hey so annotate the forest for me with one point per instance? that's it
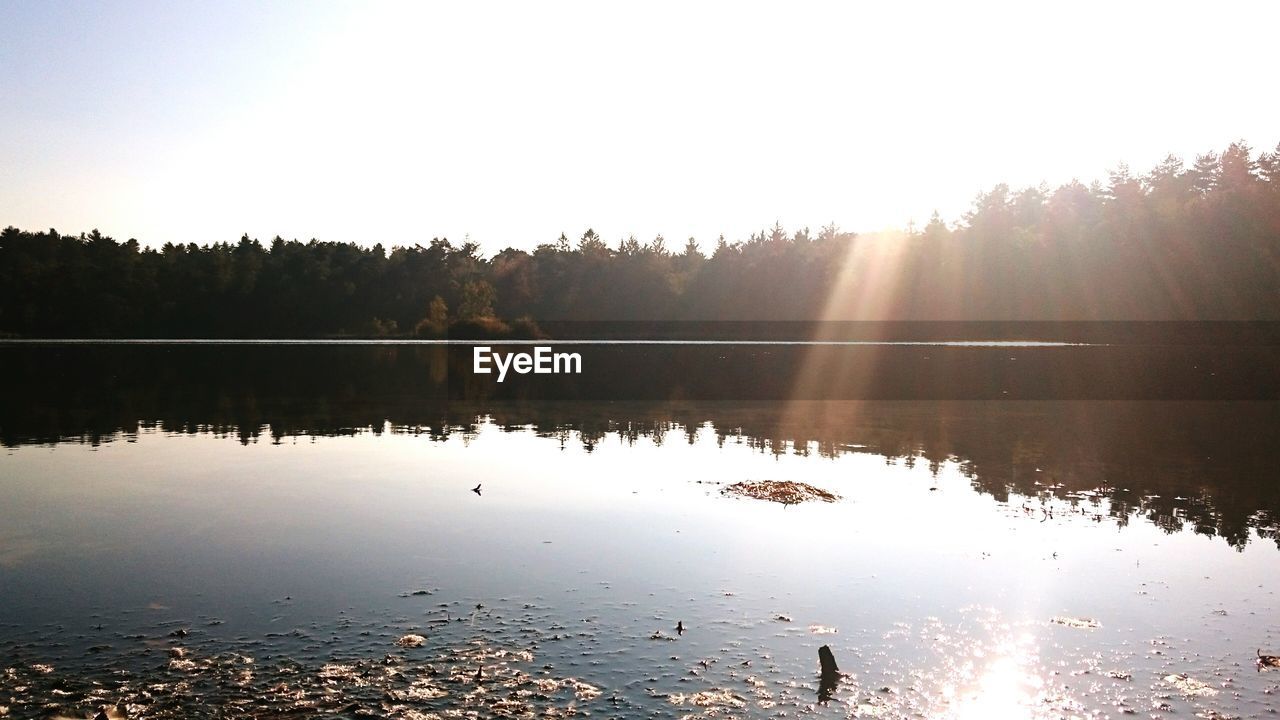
(1198, 241)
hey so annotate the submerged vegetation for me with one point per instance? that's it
(1178, 243)
(464, 679)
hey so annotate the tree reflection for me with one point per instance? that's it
(1204, 466)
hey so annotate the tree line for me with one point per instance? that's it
(1180, 242)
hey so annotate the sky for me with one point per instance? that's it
(509, 123)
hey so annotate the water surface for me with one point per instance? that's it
(191, 539)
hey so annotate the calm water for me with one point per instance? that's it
(238, 532)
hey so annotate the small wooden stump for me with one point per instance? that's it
(828, 661)
(829, 680)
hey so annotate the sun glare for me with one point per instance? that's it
(1007, 689)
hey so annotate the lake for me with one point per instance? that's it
(1025, 531)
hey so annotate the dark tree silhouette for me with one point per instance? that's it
(1178, 243)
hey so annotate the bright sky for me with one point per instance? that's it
(511, 122)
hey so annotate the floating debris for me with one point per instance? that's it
(1212, 714)
(342, 672)
(465, 673)
(546, 685)
(581, 690)
(1072, 622)
(822, 630)
(1189, 686)
(1266, 662)
(787, 492)
(418, 691)
(411, 641)
(871, 708)
(709, 699)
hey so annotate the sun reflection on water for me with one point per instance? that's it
(1001, 685)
